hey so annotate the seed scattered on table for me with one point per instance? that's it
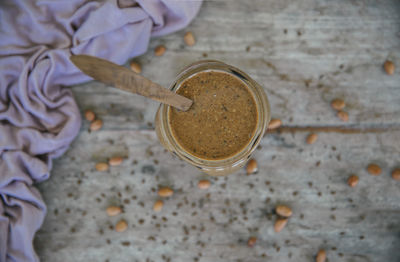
(337, 104)
(274, 123)
(396, 174)
(159, 50)
(283, 210)
(89, 115)
(251, 242)
(280, 223)
(115, 161)
(321, 256)
(165, 192)
(203, 184)
(352, 180)
(101, 166)
(158, 205)
(251, 167)
(374, 169)
(344, 116)
(96, 125)
(121, 226)
(113, 211)
(135, 67)
(312, 138)
(189, 39)
(389, 67)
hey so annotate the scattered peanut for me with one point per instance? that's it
(337, 104)
(396, 174)
(321, 256)
(101, 166)
(89, 115)
(115, 161)
(96, 125)
(135, 67)
(344, 116)
(374, 169)
(284, 211)
(121, 226)
(352, 180)
(251, 242)
(189, 39)
(158, 205)
(159, 50)
(312, 138)
(113, 211)
(274, 123)
(203, 184)
(389, 67)
(251, 167)
(280, 223)
(165, 192)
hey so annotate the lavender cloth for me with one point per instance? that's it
(38, 115)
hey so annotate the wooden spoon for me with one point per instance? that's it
(125, 79)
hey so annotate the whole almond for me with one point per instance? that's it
(113, 211)
(251, 242)
(165, 192)
(274, 123)
(96, 125)
(135, 67)
(189, 39)
(203, 184)
(280, 223)
(121, 226)
(115, 161)
(101, 166)
(396, 174)
(352, 180)
(337, 104)
(344, 116)
(321, 256)
(389, 67)
(158, 205)
(251, 167)
(283, 210)
(159, 50)
(374, 169)
(312, 138)
(89, 115)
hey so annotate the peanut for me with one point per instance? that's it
(396, 174)
(101, 167)
(389, 67)
(158, 205)
(189, 39)
(165, 192)
(96, 125)
(352, 180)
(344, 116)
(115, 161)
(89, 115)
(121, 226)
(311, 138)
(135, 67)
(280, 223)
(251, 167)
(321, 256)
(274, 123)
(374, 169)
(251, 242)
(203, 184)
(159, 50)
(284, 211)
(337, 104)
(113, 211)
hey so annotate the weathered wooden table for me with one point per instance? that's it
(305, 53)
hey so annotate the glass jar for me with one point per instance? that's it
(221, 166)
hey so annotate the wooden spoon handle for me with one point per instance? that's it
(123, 78)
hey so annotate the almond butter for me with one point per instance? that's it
(352, 180)
(115, 161)
(101, 167)
(396, 174)
(165, 192)
(280, 223)
(344, 116)
(251, 167)
(135, 67)
(159, 50)
(189, 39)
(311, 138)
(158, 205)
(321, 256)
(96, 125)
(89, 115)
(203, 184)
(389, 67)
(283, 210)
(274, 123)
(338, 104)
(374, 169)
(121, 226)
(251, 241)
(113, 211)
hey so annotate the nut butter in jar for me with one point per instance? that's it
(228, 118)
